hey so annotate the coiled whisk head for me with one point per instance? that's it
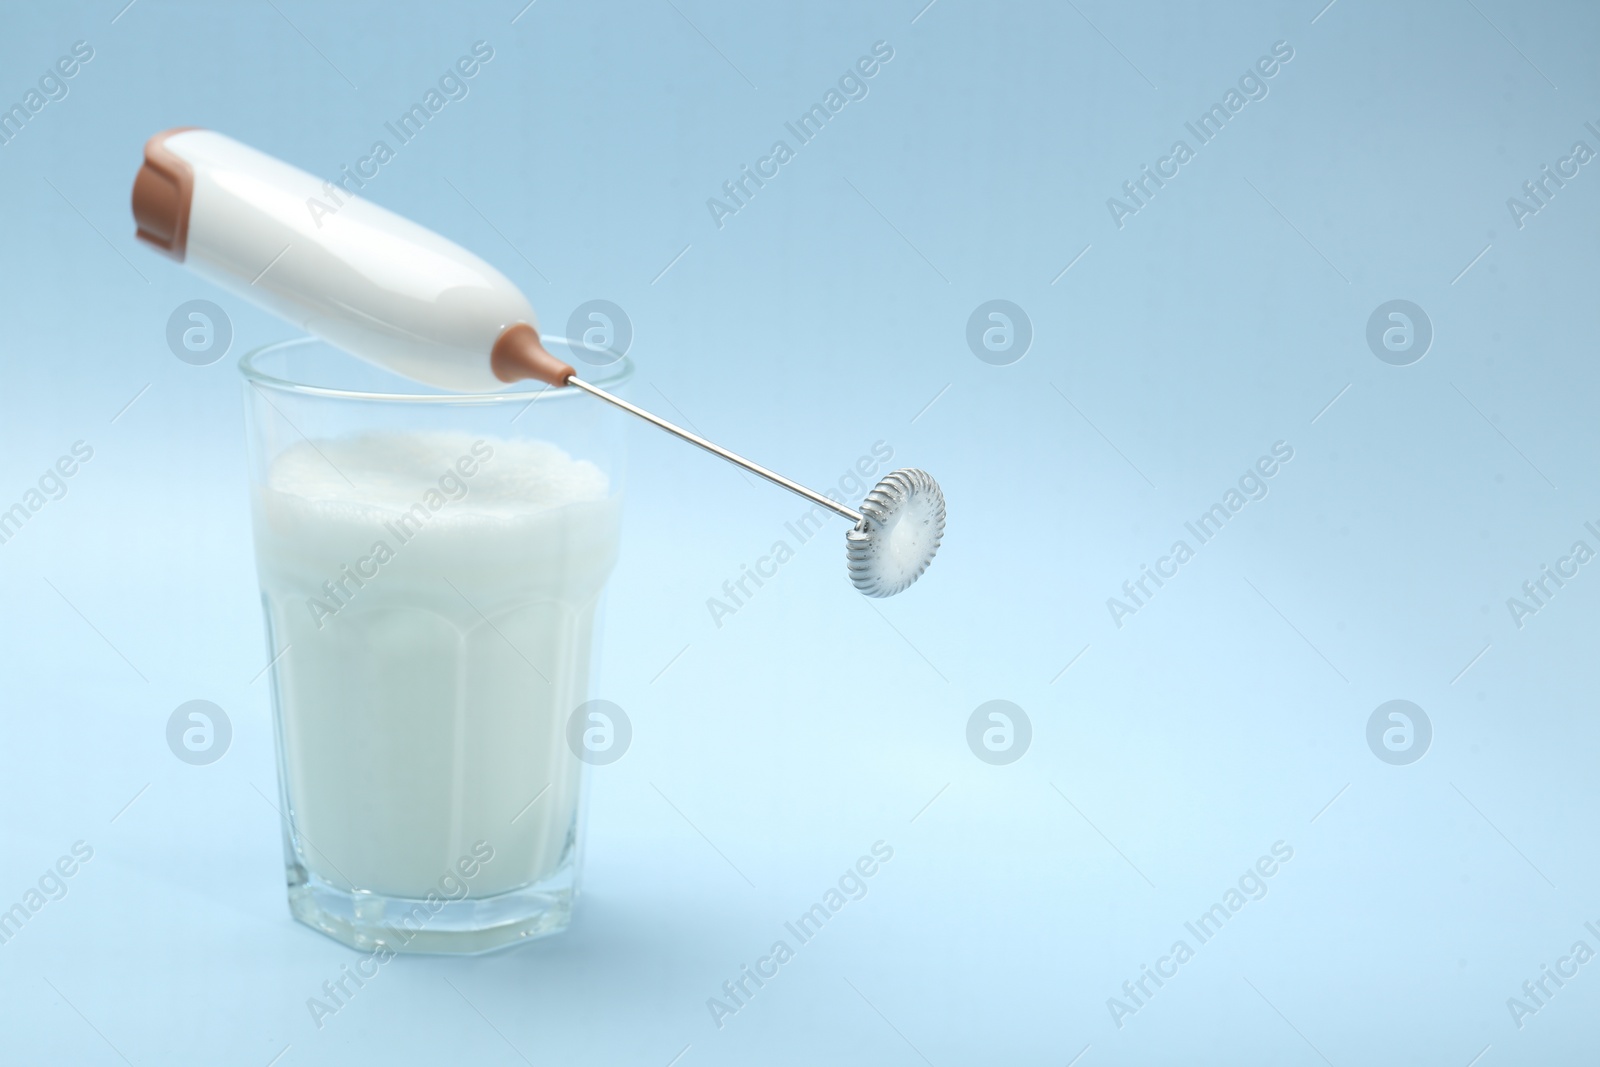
(902, 520)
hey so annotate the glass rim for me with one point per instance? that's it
(614, 374)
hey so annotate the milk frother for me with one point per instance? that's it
(398, 295)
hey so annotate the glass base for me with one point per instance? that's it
(466, 927)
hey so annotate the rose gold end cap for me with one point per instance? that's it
(162, 191)
(517, 354)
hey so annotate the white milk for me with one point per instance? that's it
(415, 720)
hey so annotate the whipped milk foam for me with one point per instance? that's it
(436, 594)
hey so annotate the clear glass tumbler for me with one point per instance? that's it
(431, 567)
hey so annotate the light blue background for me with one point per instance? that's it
(1223, 717)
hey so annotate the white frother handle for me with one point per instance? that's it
(376, 285)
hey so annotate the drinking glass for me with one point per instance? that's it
(431, 568)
